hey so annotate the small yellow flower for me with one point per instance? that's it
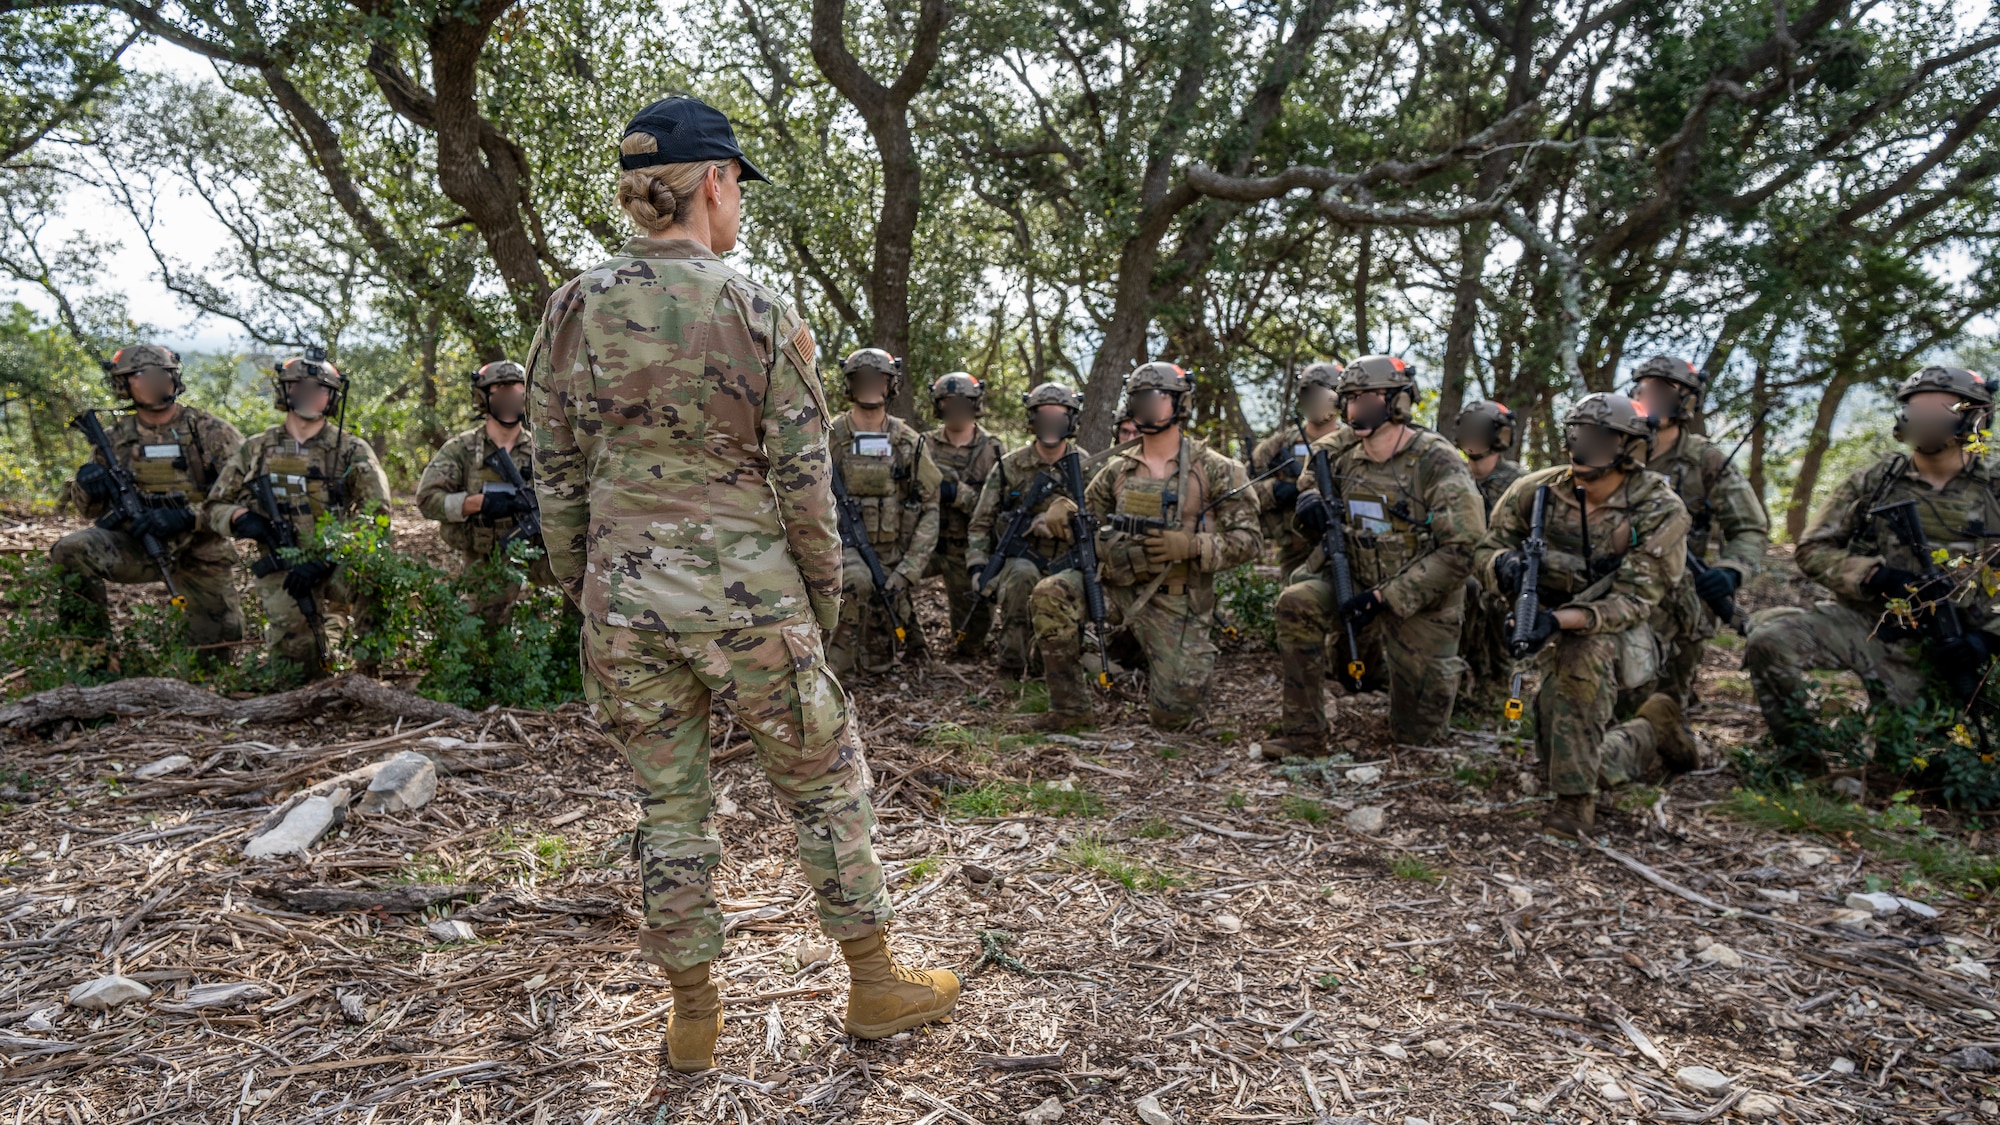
(1922, 763)
(1959, 735)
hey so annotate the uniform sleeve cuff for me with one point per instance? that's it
(454, 507)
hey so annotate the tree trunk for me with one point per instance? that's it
(1363, 259)
(1800, 503)
(1760, 392)
(1472, 243)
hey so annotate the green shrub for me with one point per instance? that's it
(1247, 602)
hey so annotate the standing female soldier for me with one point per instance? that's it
(680, 443)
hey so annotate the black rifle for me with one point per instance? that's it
(1725, 609)
(527, 525)
(127, 505)
(1013, 543)
(1939, 618)
(855, 536)
(1333, 545)
(283, 537)
(1528, 601)
(1083, 529)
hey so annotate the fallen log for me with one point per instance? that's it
(152, 695)
(406, 899)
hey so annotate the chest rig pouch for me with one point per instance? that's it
(1384, 536)
(868, 465)
(1142, 501)
(164, 472)
(299, 485)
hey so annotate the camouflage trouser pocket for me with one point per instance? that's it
(855, 866)
(820, 707)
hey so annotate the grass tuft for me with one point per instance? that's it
(1090, 853)
(1003, 797)
(1413, 869)
(1302, 808)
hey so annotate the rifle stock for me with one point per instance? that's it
(126, 503)
(1333, 545)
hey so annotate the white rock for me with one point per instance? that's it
(162, 768)
(1809, 856)
(1703, 1080)
(1760, 1105)
(1368, 820)
(1254, 751)
(1881, 904)
(1612, 1092)
(1772, 894)
(1850, 787)
(1520, 896)
(307, 822)
(1393, 1051)
(1971, 970)
(407, 781)
(1437, 1048)
(811, 952)
(1047, 1113)
(1528, 784)
(1850, 917)
(223, 995)
(1228, 924)
(1720, 954)
(353, 1008)
(1415, 1121)
(1364, 775)
(106, 993)
(1149, 1111)
(451, 929)
(1921, 909)
(42, 1019)
(1841, 1066)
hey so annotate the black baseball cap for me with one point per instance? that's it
(687, 130)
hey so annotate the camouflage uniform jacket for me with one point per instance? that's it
(680, 446)
(968, 465)
(1505, 472)
(1001, 497)
(172, 464)
(1412, 521)
(897, 492)
(1278, 522)
(459, 469)
(1638, 538)
(1226, 537)
(1842, 543)
(333, 471)
(1719, 497)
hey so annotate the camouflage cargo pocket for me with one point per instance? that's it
(855, 865)
(819, 704)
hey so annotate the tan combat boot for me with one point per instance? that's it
(886, 998)
(1071, 704)
(1573, 817)
(1297, 744)
(695, 1022)
(1662, 712)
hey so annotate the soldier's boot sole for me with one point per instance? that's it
(1675, 740)
(1573, 817)
(1300, 744)
(1059, 721)
(696, 1021)
(885, 997)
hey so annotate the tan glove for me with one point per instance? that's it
(1053, 523)
(1171, 546)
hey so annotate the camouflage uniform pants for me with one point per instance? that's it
(1692, 626)
(1417, 656)
(1482, 641)
(1012, 588)
(290, 637)
(214, 616)
(1786, 642)
(1582, 746)
(1172, 629)
(864, 642)
(948, 562)
(655, 692)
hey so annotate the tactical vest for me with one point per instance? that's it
(1955, 521)
(881, 477)
(1388, 525)
(172, 470)
(1142, 497)
(303, 489)
(475, 536)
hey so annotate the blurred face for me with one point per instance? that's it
(868, 389)
(1661, 398)
(1050, 423)
(507, 403)
(956, 410)
(1152, 410)
(1317, 405)
(1367, 411)
(151, 386)
(725, 206)
(307, 398)
(1931, 420)
(1475, 437)
(1593, 449)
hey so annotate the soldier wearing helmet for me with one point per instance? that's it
(1412, 517)
(315, 469)
(1052, 410)
(1484, 432)
(890, 474)
(1283, 456)
(1161, 545)
(1722, 509)
(173, 453)
(1884, 620)
(475, 507)
(1592, 640)
(965, 454)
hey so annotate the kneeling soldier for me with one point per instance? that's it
(1411, 517)
(171, 453)
(1484, 433)
(1616, 538)
(1052, 410)
(965, 454)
